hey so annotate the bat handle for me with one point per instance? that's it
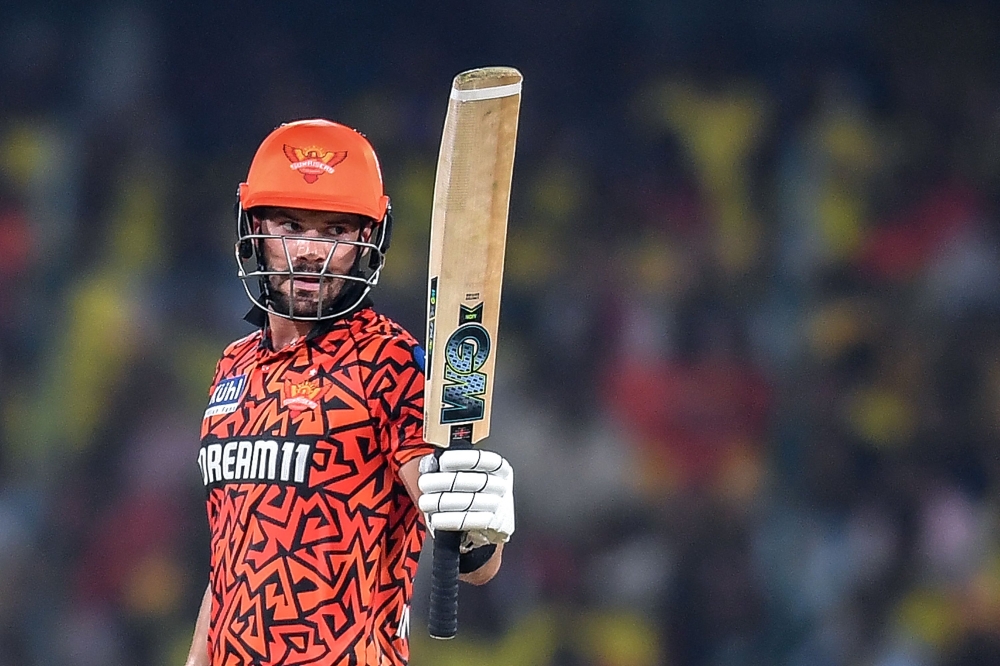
(442, 616)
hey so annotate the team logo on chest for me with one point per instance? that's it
(300, 396)
(226, 396)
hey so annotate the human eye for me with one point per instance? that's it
(338, 230)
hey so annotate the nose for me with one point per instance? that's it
(315, 249)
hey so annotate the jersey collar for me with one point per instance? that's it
(258, 317)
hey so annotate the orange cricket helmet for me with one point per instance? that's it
(318, 165)
(314, 165)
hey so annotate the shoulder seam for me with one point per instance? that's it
(234, 352)
(235, 344)
(387, 328)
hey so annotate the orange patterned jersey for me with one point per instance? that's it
(314, 538)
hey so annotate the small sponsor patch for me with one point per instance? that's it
(226, 396)
(461, 433)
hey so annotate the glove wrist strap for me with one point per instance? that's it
(475, 558)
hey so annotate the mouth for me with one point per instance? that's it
(307, 283)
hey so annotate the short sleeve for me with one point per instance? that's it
(224, 364)
(397, 394)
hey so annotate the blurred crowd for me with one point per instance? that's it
(749, 372)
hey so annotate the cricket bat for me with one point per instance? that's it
(465, 272)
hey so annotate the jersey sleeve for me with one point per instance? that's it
(220, 367)
(398, 400)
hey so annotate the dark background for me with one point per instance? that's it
(749, 371)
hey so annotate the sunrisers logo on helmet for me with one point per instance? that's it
(339, 173)
(313, 162)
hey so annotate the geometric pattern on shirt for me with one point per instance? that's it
(319, 572)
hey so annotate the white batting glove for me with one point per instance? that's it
(468, 490)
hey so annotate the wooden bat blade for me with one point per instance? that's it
(468, 239)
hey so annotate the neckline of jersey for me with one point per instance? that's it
(315, 336)
(258, 317)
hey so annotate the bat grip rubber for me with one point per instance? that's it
(442, 617)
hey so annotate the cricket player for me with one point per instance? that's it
(312, 454)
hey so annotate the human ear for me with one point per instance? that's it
(366, 231)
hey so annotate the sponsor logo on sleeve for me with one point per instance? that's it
(226, 396)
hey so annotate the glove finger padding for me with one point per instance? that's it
(435, 502)
(468, 490)
(473, 460)
(457, 521)
(462, 482)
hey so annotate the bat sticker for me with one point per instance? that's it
(465, 354)
(429, 361)
(470, 314)
(432, 309)
(460, 433)
(431, 312)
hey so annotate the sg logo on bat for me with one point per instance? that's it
(465, 353)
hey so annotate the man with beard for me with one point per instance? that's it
(312, 441)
